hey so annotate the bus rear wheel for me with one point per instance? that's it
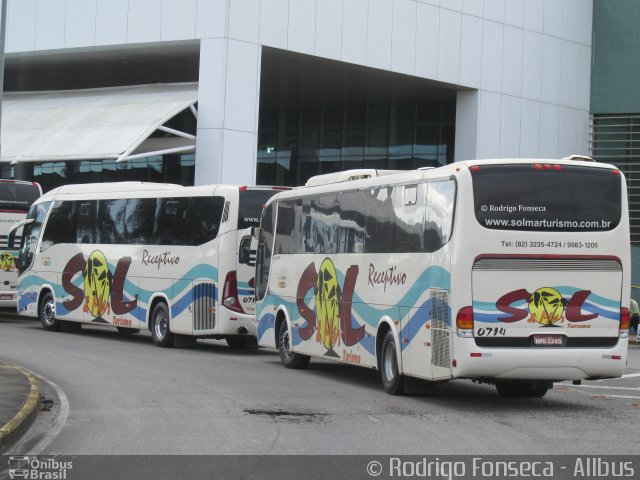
(392, 381)
(288, 358)
(522, 389)
(160, 332)
(47, 313)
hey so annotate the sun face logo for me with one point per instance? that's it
(7, 262)
(546, 306)
(97, 284)
(327, 305)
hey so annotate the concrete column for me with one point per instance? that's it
(466, 125)
(228, 107)
(23, 171)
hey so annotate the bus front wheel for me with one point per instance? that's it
(160, 332)
(47, 313)
(288, 358)
(392, 381)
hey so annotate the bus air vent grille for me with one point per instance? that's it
(204, 309)
(564, 264)
(440, 328)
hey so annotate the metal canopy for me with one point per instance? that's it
(99, 123)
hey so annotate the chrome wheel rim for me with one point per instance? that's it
(389, 362)
(160, 325)
(285, 349)
(48, 312)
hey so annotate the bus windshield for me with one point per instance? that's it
(536, 197)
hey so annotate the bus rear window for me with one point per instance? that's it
(547, 198)
(250, 207)
(17, 196)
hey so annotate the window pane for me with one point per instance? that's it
(86, 215)
(203, 219)
(409, 206)
(170, 225)
(380, 219)
(140, 220)
(61, 225)
(111, 215)
(439, 217)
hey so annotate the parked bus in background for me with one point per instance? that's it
(15, 199)
(139, 255)
(510, 272)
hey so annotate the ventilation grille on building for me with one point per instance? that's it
(615, 139)
(440, 329)
(204, 309)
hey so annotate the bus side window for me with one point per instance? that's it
(111, 214)
(140, 219)
(308, 225)
(86, 215)
(203, 219)
(61, 225)
(439, 214)
(285, 238)
(327, 224)
(380, 220)
(170, 221)
(409, 205)
(352, 228)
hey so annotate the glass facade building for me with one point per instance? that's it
(296, 143)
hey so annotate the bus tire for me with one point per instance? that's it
(288, 358)
(392, 380)
(47, 313)
(160, 330)
(522, 389)
(127, 330)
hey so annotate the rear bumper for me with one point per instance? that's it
(541, 363)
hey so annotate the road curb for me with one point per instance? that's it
(13, 429)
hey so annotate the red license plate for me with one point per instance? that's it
(6, 297)
(541, 340)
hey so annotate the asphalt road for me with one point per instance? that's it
(126, 396)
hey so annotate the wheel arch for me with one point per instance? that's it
(282, 315)
(386, 324)
(44, 289)
(155, 299)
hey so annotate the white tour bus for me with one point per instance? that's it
(139, 255)
(509, 272)
(16, 197)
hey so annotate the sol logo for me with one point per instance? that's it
(545, 306)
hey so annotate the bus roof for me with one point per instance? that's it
(352, 180)
(108, 189)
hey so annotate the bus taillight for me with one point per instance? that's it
(230, 293)
(625, 321)
(464, 322)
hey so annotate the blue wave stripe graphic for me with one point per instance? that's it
(420, 318)
(246, 291)
(187, 299)
(432, 277)
(267, 322)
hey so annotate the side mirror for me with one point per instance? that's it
(11, 238)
